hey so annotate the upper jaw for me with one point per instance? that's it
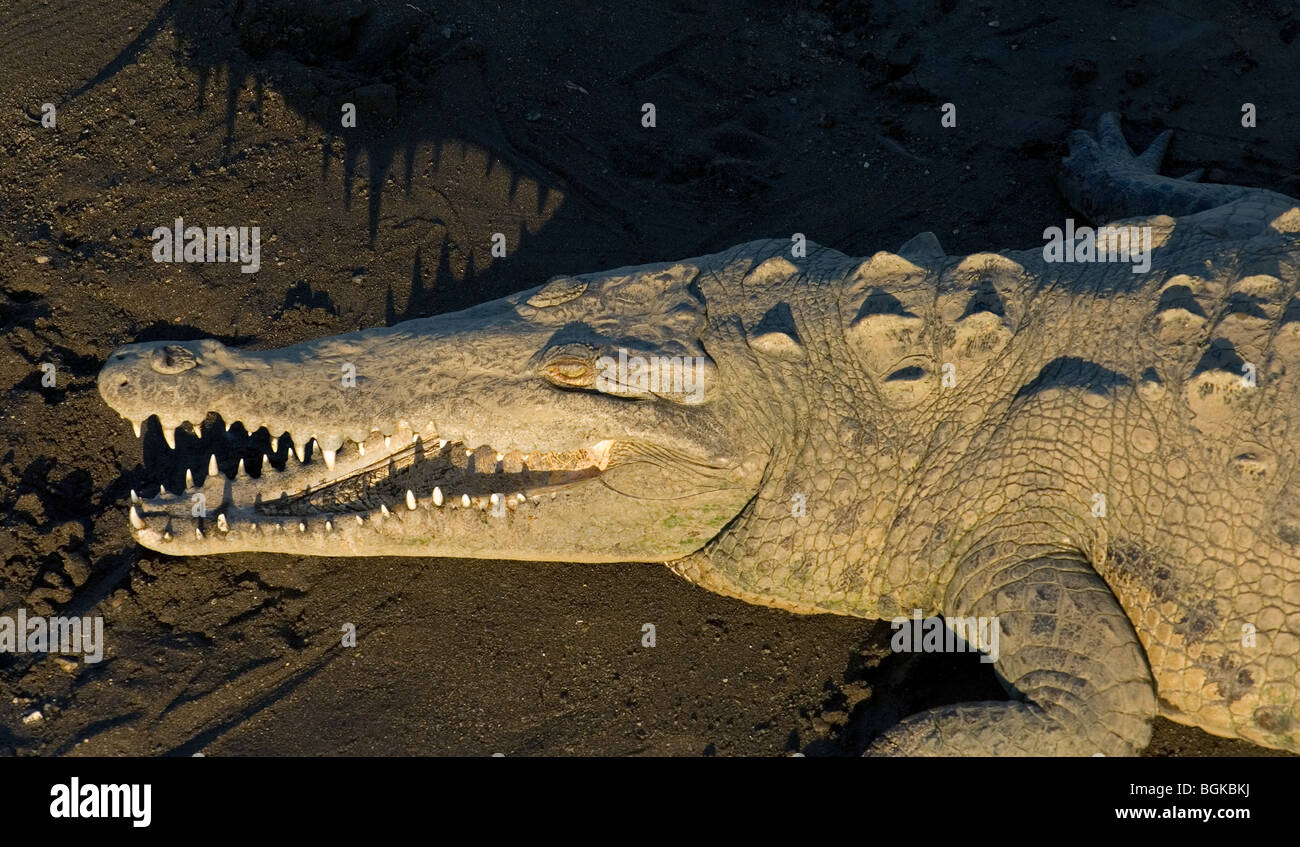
(297, 475)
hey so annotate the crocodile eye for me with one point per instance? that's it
(570, 371)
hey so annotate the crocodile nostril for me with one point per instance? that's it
(172, 359)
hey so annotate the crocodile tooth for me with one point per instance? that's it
(240, 470)
(198, 533)
(410, 499)
(275, 444)
(361, 521)
(266, 463)
(222, 524)
(437, 496)
(388, 441)
(300, 450)
(383, 509)
(135, 498)
(162, 490)
(415, 438)
(189, 478)
(361, 448)
(137, 522)
(329, 525)
(500, 456)
(302, 526)
(167, 536)
(521, 496)
(329, 458)
(135, 425)
(169, 435)
(464, 500)
(212, 464)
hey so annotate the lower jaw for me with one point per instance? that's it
(487, 528)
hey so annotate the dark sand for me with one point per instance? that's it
(522, 118)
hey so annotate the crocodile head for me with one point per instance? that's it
(590, 419)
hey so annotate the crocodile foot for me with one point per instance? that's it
(1105, 180)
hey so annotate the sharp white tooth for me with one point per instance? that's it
(189, 478)
(300, 450)
(266, 463)
(198, 533)
(241, 470)
(415, 438)
(329, 525)
(135, 425)
(361, 521)
(162, 490)
(135, 498)
(469, 453)
(410, 499)
(361, 448)
(329, 458)
(383, 509)
(442, 442)
(212, 465)
(302, 527)
(388, 441)
(221, 523)
(437, 496)
(522, 496)
(167, 536)
(169, 435)
(275, 444)
(464, 500)
(137, 522)
(500, 456)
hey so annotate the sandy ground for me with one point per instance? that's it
(521, 118)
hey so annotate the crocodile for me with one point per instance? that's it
(1101, 462)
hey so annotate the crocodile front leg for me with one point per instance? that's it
(1066, 651)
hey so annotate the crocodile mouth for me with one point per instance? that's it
(256, 480)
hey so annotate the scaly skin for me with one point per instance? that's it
(1104, 461)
